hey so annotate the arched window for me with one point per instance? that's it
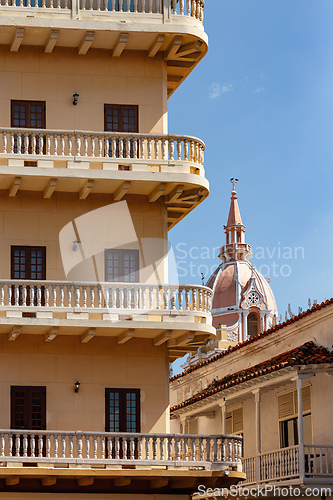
(252, 325)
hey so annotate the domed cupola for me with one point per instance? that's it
(243, 303)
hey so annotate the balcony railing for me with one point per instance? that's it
(101, 145)
(63, 447)
(103, 297)
(289, 463)
(189, 8)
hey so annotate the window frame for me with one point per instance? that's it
(28, 104)
(121, 252)
(121, 108)
(293, 417)
(28, 248)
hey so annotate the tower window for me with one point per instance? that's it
(252, 325)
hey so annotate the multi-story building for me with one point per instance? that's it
(91, 182)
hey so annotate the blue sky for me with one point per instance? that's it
(262, 101)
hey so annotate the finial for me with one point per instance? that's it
(233, 180)
(203, 278)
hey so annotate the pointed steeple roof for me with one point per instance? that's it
(234, 213)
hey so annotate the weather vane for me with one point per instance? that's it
(233, 180)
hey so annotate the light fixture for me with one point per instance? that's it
(77, 386)
(75, 245)
(76, 98)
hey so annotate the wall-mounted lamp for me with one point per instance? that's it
(75, 245)
(77, 386)
(76, 98)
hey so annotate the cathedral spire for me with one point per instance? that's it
(234, 213)
(235, 247)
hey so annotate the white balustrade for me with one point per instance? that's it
(318, 461)
(36, 143)
(189, 8)
(93, 447)
(35, 295)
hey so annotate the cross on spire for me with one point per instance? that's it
(233, 180)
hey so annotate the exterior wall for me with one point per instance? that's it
(322, 406)
(100, 364)
(29, 219)
(133, 78)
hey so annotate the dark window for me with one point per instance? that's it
(252, 325)
(28, 114)
(120, 118)
(289, 431)
(122, 265)
(28, 263)
(122, 410)
(28, 408)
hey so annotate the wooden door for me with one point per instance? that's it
(28, 412)
(28, 263)
(121, 118)
(28, 114)
(122, 413)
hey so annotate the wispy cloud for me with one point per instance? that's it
(260, 89)
(216, 89)
(263, 76)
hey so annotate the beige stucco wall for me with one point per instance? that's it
(100, 364)
(133, 78)
(29, 219)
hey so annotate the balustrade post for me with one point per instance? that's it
(154, 447)
(79, 446)
(25, 445)
(39, 295)
(139, 445)
(71, 446)
(48, 446)
(87, 442)
(40, 445)
(4, 136)
(177, 447)
(2, 445)
(24, 295)
(132, 448)
(63, 446)
(55, 446)
(147, 447)
(102, 442)
(85, 145)
(95, 447)
(10, 445)
(17, 445)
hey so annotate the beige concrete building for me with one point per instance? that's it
(91, 183)
(275, 389)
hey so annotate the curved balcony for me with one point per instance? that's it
(119, 164)
(171, 29)
(177, 315)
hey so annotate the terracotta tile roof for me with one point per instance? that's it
(306, 354)
(313, 309)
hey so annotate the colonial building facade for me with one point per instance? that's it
(91, 182)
